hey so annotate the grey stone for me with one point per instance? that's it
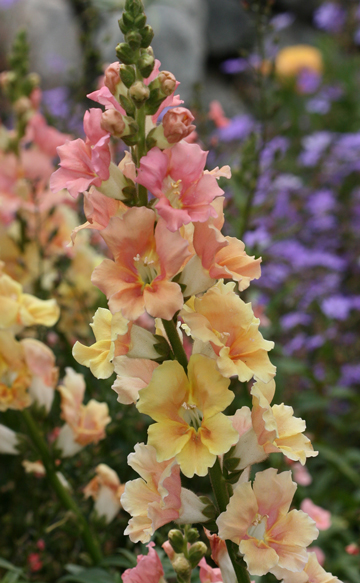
(230, 27)
(53, 36)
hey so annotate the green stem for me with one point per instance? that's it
(222, 499)
(89, 538)
(176, 345)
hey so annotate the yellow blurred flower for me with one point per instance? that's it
(293, 59)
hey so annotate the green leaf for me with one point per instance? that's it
(90, 576)
(9, 566)
(338, 460)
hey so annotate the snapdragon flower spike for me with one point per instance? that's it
(176, 177)
(83, 164)
(146, 258)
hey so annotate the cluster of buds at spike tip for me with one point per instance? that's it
(138, 36)
(188, 551)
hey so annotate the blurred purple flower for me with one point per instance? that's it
(321, 202)
(234, 66)
(314, 342)
(287, 182)
(57, 101)
(350, 375)
(318, 105)
(259, 237)
(282, 21)
(308, 81)
(4, 4)
(275, 148)
(293, 319)
(295, 343)
(314, 147)
(330, 17)
(239, 128)
(336, 307)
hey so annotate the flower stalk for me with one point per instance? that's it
(67, 501)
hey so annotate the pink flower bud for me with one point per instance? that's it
(352, 549)
(177, 124)
(112, 77)
(167, 82)
(112, 122)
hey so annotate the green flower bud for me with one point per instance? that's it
(139, 93)
(192, 535)
(182, 568)
(176, 539)
(134, 39)
(125, 54)
(127, 75)
(140, 21)
(135, 7)
(196, 552)
(128, 105)
(128, 20)
(146, 65)
(124, 29)
(147, 34)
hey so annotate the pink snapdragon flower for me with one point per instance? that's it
(145, 261)
(176, 177)
(148, 569)
(321, 516)
(208, 574)
(83, 164)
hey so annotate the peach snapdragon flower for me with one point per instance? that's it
(105, 488)
(21, 309)
(187, 409)
(27, 373)
(176, 177)
(145, 261)
(312, 573)
(267, 429)
(115, 336)
(222, 319)
(224, 257)
(258, 520)
(157, 497)
(84, 423)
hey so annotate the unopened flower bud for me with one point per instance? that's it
(139, 92)
(127, 75)
(176, 539)
(113, 122)
(181, 567)
(134, 39)
(196, 552)
(146, 65)
(167, 82)
(112, 77)
(34, 79)
(147, 34)
(177, 124)
(140, 21)
(135, 7)
(125, 54)
(192, 535)
(6, 78)
(22, 105)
